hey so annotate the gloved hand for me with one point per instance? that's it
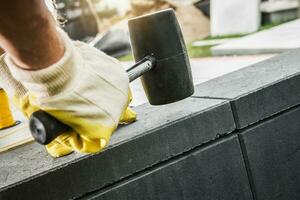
(86, 89)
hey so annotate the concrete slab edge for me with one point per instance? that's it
(256, 104)
(161, 166)
(276, 124)
(140, 175)
(164, 145)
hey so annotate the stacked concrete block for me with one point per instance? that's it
(234, 16)
(265, 100)
(213, 172)
(236, 138)
(258, 91)
(159, 134)
(272, 149)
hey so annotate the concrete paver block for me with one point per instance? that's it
(159, 134)
(273, 152)
(258, 91)
(214, 172)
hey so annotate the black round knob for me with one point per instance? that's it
(45, 128)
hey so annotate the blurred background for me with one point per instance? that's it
(221, 35)
(205, 23)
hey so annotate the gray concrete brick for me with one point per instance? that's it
(273, 152)
(258, 91)
(211, 173)
(159, 134)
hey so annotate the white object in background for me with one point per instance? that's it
(230, 17)
(122, 6)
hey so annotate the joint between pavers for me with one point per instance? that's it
(232, 107)
(213, 98)
(247, 166)
(235, 115)
(244, 149)
(154, 167)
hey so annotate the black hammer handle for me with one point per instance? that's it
(45, 128)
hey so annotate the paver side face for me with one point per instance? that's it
(273, 150)
(215, 172)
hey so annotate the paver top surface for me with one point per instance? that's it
(252, 78)
(32, 160)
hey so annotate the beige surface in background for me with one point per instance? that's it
(17, 135)
(193, 23)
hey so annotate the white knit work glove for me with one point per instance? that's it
(85, 89)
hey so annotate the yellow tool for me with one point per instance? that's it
(6, 118)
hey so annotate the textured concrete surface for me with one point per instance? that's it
(210, 173)
(159, 134)
(275, 40)
(273, 152)
(258, 91)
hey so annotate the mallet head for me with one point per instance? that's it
(159, 34)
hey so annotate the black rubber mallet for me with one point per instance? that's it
(162, 63)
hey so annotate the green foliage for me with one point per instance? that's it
(196, 52)
(270, 25)
(126, 58)
(223, 37)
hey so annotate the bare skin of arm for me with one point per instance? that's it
(1, 51)
(28, 34)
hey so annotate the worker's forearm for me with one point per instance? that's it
(28, 34)
(1, 51)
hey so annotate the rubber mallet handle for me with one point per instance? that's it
(45, 128)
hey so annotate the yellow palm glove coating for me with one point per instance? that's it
(93, 138)
(86, 90)
(66, 142)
